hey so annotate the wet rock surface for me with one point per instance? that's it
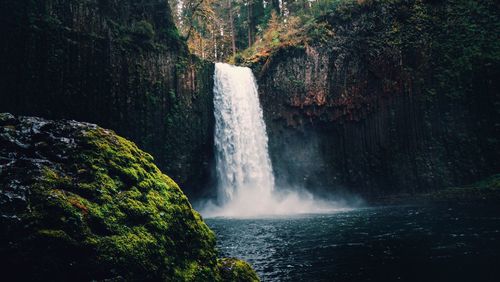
(386, 101)
(80, 203)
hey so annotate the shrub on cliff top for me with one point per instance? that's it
(143, 31)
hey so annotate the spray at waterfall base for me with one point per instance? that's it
(246, 185)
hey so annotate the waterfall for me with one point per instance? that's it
(242, 160)
(245, 177)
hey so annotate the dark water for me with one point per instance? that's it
(427, 243)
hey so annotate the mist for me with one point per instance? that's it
(246, 204)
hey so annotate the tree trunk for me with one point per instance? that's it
(275, 4)
(202, 48)
(251, 23)
(231, 24)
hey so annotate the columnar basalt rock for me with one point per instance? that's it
(389, 102)
(120, 64)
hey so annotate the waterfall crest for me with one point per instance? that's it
(245, 179)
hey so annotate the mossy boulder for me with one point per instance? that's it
(232, 269)
(78, 202)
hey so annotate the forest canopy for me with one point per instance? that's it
(217, 30)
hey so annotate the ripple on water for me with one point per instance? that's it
(389, 243)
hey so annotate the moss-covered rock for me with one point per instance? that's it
(78, 202)
(232, 269)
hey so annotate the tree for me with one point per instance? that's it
(275, 5)
(255, 12)
(231, 24)
(218, 29)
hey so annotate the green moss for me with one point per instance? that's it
(110, 204)
(98, 208)
(54, 234)
(486, 190)
(492, 182)
(236, 270)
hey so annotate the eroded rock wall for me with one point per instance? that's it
(382, 105)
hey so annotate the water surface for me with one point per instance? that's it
(424, 243)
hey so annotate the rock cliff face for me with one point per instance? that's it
(117, 63)
(79, 203)
(387, 96)
(391, 97)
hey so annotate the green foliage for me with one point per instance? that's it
(143, 31)
(139, 36)
(299, 27)
(234, 270)
(442, 43)
(323, 7)
(492, 182)
(484, 190)
(173, 34)
(277, 35)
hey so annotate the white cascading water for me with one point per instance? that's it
(244, 171)
(242, 159)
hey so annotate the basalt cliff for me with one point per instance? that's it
(386, 97)
(381, 97)
(120, 64)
